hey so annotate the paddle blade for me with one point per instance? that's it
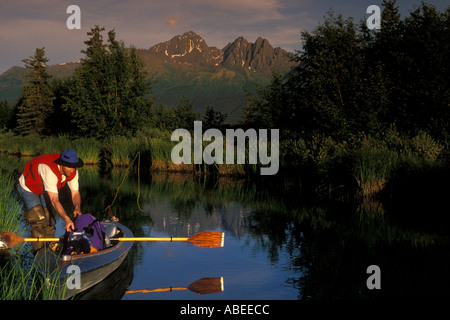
(201, 286)
(9, 240)
(207, 285)
(208, 239)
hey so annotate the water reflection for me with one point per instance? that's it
(112, 287)
(282, 246)
(200, 286)
(279, 243)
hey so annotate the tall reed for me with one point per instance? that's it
(121, 151)
(57, 144)
(10, 206)
(21, 280)
(19, 277)
(88, 149)
(373, 168)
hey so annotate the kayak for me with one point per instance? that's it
(67, 275)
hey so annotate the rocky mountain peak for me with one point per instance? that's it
(190, 48)
(258, 57)
(187, 48)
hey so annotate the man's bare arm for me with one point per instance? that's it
(59, 208)
(76, 200)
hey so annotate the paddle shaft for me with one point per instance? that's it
(156, 290)
(40, 239)
(150, 239)
(120, 239)
(202, 239)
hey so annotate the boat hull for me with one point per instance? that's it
(69, 275)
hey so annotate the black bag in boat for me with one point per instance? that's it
(89, 235)
(76, 243)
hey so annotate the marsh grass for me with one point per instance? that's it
(379, 161)
(154, 146)
(29, 146)
(373, 168)
(33, 145)
(19, 277)
(121, 150)
(89, 150)
(161, 149)
(10, 143)
(56, 144)
(10, 205)
(369, 162)
(231, 170)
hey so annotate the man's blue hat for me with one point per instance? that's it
(69, 158)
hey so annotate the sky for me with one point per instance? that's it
(29, 24)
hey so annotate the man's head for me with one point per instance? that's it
(67, 171)
(69, 162)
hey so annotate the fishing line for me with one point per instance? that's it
(138, 156)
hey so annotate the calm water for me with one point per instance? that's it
(180, 206)
(279, 244)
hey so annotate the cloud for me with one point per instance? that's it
(29, 24)
(172, 21)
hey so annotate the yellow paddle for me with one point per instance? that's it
(201, 286)
(202, 239)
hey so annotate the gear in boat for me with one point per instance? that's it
(90, 236)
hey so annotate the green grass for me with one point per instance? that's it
(22, 281)
(89, 150)
(373, 168)
(121, 149)
(10, 206)
(18, 275)
(365, 161)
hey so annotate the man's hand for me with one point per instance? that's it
(69, 225)
(76, 213)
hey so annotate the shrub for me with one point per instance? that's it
(425, 147)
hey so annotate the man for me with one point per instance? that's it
(38, 186)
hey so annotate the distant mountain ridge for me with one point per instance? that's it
(259, 57)
(186, 65)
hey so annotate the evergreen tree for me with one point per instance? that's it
(110, 87)
(61, 120)
(184, 114)
(6, 114)
(267, 107)
(213, 119)
(37, 97)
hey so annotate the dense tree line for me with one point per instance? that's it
(109, 94)
(351, 79)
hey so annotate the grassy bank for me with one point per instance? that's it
(10, 207)
(19, 277)
(153, 145)
(363, 165)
